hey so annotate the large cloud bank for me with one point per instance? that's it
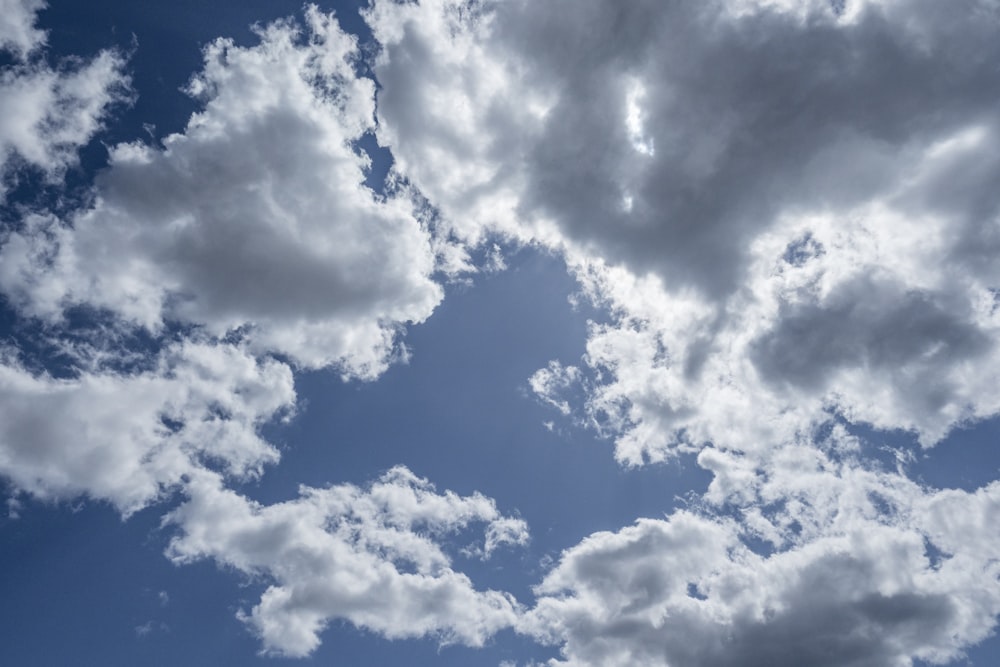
(787, 209)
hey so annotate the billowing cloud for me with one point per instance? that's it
(849, 567)
(256, 218)
(250, 234)
(849, 327)
(132, 438)
(367, 555)
(737, 167)
(188, 427)
(787, 210)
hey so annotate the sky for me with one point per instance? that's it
(479, 332)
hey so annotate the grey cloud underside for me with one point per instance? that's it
(819, 628)
(747, 116)
(856, 586)
(755, 116)
(869, 323)
(854, 634)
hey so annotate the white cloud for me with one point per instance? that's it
(789, 211)
(254, 225)
(865, 573)
(186, 427)
(508, 531)
(46, 113)
(18, 33)
(838, 329)
(550, 382)
(368, 555)
(131, 439)
(254, 218)
(715, 137)
(442, 88)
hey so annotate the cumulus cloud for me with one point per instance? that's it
(47, 113)
(738, 166)
(842, 333)
(250, 234)
(189, 426)
(788, 211)
(132, 439)
(368, 555)
(854, 567)
(255, 218)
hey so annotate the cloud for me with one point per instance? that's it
(840, 334)
(509, 531)
(47, 113)
(787, 211)
(185, 425)
(256, 218)
(18, 33)
(249, 235)
(550, 382)
(860, 574)
(132, 439)
(368, 555)
(730, 134)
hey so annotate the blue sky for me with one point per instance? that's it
(498, 333)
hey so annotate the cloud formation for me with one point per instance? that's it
(367, 555)
(47, 113)
(18, 34)
(256, 218)
(249, 235)
(738, 165)
(815, 559)
(132, 439)
(787, 210)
